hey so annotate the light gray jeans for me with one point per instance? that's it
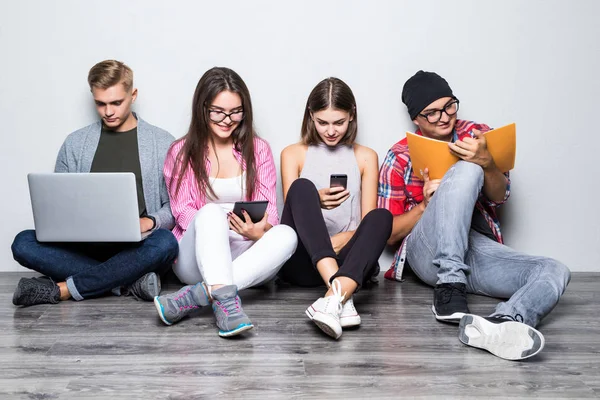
(442, 248)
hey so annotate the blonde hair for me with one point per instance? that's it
(108, 73)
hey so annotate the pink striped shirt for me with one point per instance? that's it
(189, 200)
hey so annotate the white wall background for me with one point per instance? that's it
(535, 63)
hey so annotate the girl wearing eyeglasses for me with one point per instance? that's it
(341, 232)
(218, 162)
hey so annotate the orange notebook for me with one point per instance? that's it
(435, 155)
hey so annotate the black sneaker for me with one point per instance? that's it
(145, 288)
(32, 291)
(503, 336)
(450, 302)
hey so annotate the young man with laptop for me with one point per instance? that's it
(85, 263)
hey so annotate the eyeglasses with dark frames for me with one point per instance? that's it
(434, 116)
(218, 116)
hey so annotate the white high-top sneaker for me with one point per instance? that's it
(348, 318)
(328, 317)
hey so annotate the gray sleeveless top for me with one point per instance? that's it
(321, 161)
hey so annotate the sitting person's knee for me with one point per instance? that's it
(166, 243)
(469, 169)
(382, 217)
(211, 208)
(22, 243)
(558, 273)
(286, 236)
(562, 272)
(301, 185)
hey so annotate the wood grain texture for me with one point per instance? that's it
(114, 347)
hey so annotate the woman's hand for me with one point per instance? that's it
(332, 197)
(246, 227)
(338, 241)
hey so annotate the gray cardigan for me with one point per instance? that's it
(77, 153)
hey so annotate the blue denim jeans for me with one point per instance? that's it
(443, 248)
(92, 269)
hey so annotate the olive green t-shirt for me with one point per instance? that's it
(118, 152)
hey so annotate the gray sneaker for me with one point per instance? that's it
(145, 288)
(32, 291)
(174, 306)
(227, 306)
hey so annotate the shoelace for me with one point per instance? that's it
(336, 288)
(42, 290)
(446, 293)
(230, 305)
(184, 300)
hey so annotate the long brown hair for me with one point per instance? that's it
(334, 93)
(195, 149)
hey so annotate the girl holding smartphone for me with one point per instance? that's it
(218, 162)
(340, 229)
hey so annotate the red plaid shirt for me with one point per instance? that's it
(400, 189)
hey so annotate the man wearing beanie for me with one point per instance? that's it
(450, 234)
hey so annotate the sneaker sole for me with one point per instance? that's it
(349, 322)
(509, 340)
(327, 324)
(452, 318)
(161, 311)
(241, 328)
(345, 322)
(155, 284)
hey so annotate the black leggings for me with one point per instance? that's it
(357, 259)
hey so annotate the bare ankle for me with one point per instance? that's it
(212, 288)
(64, 291)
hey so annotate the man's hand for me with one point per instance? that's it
(332, 197)
(246, 227)
(146, 224)
(473, 150)
(339, 240)
(429, 187)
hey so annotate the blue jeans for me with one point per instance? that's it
(92, 269)
(443, 248)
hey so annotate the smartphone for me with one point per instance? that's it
(336, 180)
(255, 209)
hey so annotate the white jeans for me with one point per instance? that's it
(209, 251)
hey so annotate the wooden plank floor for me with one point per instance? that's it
(117, 348)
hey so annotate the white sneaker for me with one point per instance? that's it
(328, 317)
(348, 318)
(504, 338)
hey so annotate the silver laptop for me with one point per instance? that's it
(80, 207)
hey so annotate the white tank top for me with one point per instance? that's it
(228, 191)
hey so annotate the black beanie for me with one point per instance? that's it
(422, 89)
